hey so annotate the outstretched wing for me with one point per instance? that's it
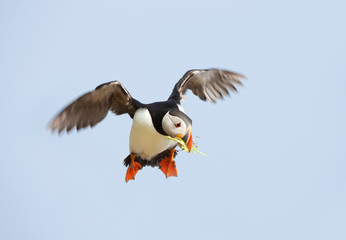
(211, 84)
(92, 107)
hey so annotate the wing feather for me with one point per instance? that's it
(93, 107)
(207, 84)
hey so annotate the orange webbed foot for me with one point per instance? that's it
(168, 166)
(132, 169)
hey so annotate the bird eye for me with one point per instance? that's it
(178, 124)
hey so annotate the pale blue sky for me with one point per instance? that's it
(276, 151)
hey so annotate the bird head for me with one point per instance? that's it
(178, 125)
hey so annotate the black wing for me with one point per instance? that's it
(211, 84)
(92, 107)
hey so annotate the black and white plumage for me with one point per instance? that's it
(152, 123)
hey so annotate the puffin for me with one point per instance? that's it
(154, 125)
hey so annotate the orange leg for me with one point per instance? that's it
(167, 165)
(132, 169)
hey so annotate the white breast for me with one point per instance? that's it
(144, 139)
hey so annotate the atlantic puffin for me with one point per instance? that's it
(152, 123)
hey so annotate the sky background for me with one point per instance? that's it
(276, 164)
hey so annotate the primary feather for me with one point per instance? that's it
(211, 84)
(93, 107)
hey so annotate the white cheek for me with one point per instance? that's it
(182, 128)
(170, 128)
(168, 125)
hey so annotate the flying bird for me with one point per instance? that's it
(152, 124)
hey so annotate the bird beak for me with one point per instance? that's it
(188, 140)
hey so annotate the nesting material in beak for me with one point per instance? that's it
(186, 143)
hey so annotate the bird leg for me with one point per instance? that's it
(167, 165)
(132, 169)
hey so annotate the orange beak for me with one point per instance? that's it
(188, 140)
